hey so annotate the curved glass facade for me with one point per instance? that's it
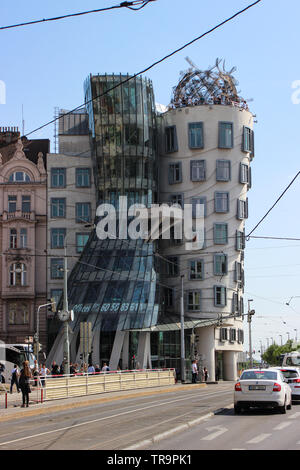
(113, 284)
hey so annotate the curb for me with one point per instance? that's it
(89, 402)
(164, 435)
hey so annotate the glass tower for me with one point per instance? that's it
(114, 283)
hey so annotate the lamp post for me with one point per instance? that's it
(280, 340)
(37, 334)
(182, 361)
(295, 329)
(250, 313)
(288, 333)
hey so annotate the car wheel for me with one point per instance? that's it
(282, 409)
(237, 410)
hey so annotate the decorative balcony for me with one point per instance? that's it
(18, 214)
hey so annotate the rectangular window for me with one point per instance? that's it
(248, 140)
(238, 272)
(83, 212)
(201, 203)
(198, 170)
(194, 301)
(175, 173)
(58, 207)
(244, 173)
(23, 237)
(169, 297)
(232, 335)
(223, 170)
(220, 264)
(242, 209)
(25, 203)
(220, 296)
(235, 303)
(221, 201)
(223, 334)
(171, 266)
(176, 199)
(83, 177)
(240, 336)
(57, 237)
(196, 135)
(196, 270)
(240, 240)
(225, 135)
(58, 177)
(171, 139)
(57, 268)
(12, 203)
(13, 238)
(220, 234)
(81, 239)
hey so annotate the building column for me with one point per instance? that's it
(206, 349)
(230, 365)
(116, 350)
(143, 360)
(125, 351)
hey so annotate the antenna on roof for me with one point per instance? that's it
(23, 123)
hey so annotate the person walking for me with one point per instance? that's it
(105, 367)
(24, 383)
(194, 371)
(44, 371)
(14, 378)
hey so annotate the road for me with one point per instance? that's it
(203, 418)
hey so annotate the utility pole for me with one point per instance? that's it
(250, 313)
(182, 362)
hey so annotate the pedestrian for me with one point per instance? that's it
(15, 378)
(97, 369)
(206, 374)
(24, 383)
(105, 367)
(36, 374)
(91, 369)
(194, 371)
(55, 368)
(44, 371)
(72, 369)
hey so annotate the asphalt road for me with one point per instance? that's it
(116, 425)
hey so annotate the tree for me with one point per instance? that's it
(272, 354)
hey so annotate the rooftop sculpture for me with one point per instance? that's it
(212, 86)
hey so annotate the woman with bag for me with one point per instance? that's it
(24, 383)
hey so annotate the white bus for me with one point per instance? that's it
(11, 354)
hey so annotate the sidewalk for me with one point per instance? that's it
(14, 410)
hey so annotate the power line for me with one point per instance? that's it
(128, 5)
(147, 68)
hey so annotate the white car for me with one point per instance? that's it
(262, 388)
(292, 375)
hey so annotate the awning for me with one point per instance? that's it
(188, 325)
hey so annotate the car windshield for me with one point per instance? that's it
(259, 374)
(289, 374)
(293, 361)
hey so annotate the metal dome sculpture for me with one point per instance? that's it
(212, 86)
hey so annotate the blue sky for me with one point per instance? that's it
(44, 66)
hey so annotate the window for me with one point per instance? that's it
(19, 176)
(57, 268)
(12, 203)
(169, 297)
(235, 303)
(176, 199)
(13, 238)
(200, 201)
(242, 209)
(175, 173)
(198, 170)
(56, 294)
(194, 301)
(240, 240)
(223, 170)
(232, 335)
(196, 135)
(245, 174)
(248, 140)
(171, 139)
(225, 135)
(58, 177)
(132, 134)
(220, 295)
(57, 237)
(23, 237)
(81, 239)
(83, 177)
(220, 234)
(221, 201)
(196, 270)
(18, 313)
(239, 273)
(26, 203)
(223, 334)
(171, 266)
(58, 207)
(17, 274)
(83, 212)
(240, 336)
(220, 264)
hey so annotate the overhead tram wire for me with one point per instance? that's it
(128, 5)
(149, 67)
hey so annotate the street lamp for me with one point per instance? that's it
(288, 335)
(250, 313)
(280, 340)
(295, 329)
(182, 361)
(294, 297)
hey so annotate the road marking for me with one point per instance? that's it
(109, 417)
(219, 430)
(281, 426)
(294, 416)
(259, 438)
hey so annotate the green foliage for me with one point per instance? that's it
(272, 355)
